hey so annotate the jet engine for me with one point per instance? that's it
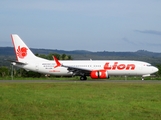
(102, 74)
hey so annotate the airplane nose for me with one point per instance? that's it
(155, 69)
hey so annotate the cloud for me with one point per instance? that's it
(153, 44)
(54, 5)
(149, 32)
(128, 41)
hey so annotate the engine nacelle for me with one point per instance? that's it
(102, 74)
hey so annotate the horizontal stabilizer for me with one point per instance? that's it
(13, 62)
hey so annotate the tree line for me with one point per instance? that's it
(19, 72)
(59, 56)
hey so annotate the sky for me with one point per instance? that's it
(92, 25)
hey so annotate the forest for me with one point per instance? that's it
(7, 53)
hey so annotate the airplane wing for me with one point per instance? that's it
(75, 70)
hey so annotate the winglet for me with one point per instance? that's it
(58, 64)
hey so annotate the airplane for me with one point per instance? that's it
(96, 69)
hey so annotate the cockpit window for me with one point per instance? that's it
(149, 65)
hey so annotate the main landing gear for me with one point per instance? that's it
(83, 77)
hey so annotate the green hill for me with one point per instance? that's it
(151, 57)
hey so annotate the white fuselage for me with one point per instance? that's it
(93, 68)
(113, 67)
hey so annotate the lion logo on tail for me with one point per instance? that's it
(21, 52)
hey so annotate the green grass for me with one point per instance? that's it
(80, 101)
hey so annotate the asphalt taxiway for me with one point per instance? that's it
(78, 81)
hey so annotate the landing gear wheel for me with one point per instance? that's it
(83, 78)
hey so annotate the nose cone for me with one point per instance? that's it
(155, 69)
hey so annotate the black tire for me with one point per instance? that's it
(83, 78)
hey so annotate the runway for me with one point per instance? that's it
(77, 81)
